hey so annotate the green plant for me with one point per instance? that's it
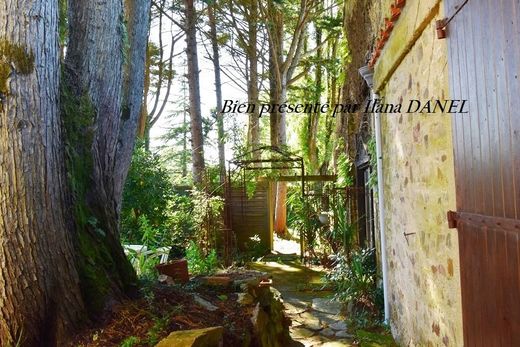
(371, 149)
(354, 282)
(305, 218)
(344, 169)
(207, 218)
(148, 192)
(144, 263)
(160, 324)
(129, 342)
(199, 264)
(342, 230)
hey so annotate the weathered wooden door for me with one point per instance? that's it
(484, 63)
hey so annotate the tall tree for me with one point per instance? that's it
(283, 64)
(215, 58)
(40, 297)
(197, 140)
(56, 258)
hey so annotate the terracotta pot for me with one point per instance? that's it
(177, 269)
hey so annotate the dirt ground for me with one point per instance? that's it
(163, 309)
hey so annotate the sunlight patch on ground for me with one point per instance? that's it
(283, 246)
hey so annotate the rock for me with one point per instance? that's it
(292, 309)
(301, 332)
(343, 335)
(328, 332)
(338, 343)
(341, 325)
(309, 320)
(217, 281)
(204, 303)
(325, 318)
(326, 305)
(245, 299)
(259, 319)
(209, 337)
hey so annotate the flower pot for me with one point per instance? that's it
(177, 270)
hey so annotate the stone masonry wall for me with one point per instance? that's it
(423, 268)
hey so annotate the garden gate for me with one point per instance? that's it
(484, 63)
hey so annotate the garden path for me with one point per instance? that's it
(316, 320)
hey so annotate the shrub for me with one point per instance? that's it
(354, 281)
(148, 192)
(199, 264)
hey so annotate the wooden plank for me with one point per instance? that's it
(308, 178)
(484, 64)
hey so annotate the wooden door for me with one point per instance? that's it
(484, 64)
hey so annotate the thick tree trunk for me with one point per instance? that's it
(138, 22)
(218, 93)
(278, 95)
(197, 141)
(40, 297)
(99, 135)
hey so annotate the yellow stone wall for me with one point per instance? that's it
(423, 268)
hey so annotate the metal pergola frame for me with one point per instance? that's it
(280, 160)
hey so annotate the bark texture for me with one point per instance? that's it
(40, 297)
(100, 136)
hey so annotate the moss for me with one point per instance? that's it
(13, 55)
(375, 339)
(99, 270)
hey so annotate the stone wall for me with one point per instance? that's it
(423, 268)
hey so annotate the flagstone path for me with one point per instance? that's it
(316, 320)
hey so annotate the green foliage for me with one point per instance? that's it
(207, 218)
(144, 264)
(160, 324)
(130, 342)
(371, 148)
(148, 193)
(344, 170)
(199, 264)
(304, 216)
(374, 339)
(342, 231)
(63, 26)
(354, 282)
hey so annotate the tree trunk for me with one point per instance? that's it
(138, 22)
(218, 93)
(143, 116)
(197, 141)
(40, 297)
(252, 88)
(99, 137)
(314, 118)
